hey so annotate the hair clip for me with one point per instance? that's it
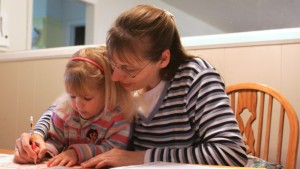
(168, 13)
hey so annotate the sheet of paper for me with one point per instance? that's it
(6, 162)
(164, 165)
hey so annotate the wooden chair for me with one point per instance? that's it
(259, 101)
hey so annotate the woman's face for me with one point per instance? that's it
(135, 75)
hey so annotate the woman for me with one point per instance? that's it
(183, 112)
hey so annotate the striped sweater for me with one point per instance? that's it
(90, 138)
(191, 123)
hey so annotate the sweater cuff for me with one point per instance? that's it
(51, 149)
(81, 157)
(39, 133)
(147, 156)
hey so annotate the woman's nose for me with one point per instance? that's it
(117, 75)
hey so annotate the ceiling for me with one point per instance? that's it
(242, 15)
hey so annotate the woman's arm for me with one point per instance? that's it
(24, 152)
(214, 136)
(43, 125)
(115, 157)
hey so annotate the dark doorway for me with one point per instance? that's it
(79, 35)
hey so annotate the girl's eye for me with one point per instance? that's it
(73, 97)
(87, 99)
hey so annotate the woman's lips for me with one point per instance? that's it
(125, 85)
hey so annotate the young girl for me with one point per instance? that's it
(87, 120)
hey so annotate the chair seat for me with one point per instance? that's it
(255, 162)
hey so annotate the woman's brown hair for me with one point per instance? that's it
(147, 31)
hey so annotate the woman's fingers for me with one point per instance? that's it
(115, 157)
(42, 152)
(24, 152)
(92, 162)
(19, 159)
(26, 147)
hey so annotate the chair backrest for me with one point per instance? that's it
(259, 102)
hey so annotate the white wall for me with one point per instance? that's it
(99, 18)
(106, 11)
(18, 23)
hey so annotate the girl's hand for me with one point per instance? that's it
(24, 152)
(67, 158)
(114, 158)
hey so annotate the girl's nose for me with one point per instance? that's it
(79, 103)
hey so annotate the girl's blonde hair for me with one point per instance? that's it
(81, 74)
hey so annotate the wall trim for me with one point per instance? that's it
(254, 38)
(266, 37)
(39, 54)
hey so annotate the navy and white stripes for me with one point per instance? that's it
(43, 125)
(191, 123)
(194, 122)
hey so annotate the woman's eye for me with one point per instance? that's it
(72, 97)
(128, 69)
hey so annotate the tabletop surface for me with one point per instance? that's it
(6, 151)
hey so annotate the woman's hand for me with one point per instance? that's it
(114, 158)
(67, 158)
(24, 152)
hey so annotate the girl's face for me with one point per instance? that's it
(89, 105)
(136, 75)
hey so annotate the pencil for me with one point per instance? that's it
(32, 139)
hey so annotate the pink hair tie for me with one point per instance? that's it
(90, 61)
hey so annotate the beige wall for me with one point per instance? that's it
(275, 65)
(28, 87)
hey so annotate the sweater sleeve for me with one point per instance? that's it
(55, 142)
(117, 135)
(43, 125)
(217, 139)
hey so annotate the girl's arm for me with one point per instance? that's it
(55, 141)
(117, 136)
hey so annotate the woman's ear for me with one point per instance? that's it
(165, 58)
